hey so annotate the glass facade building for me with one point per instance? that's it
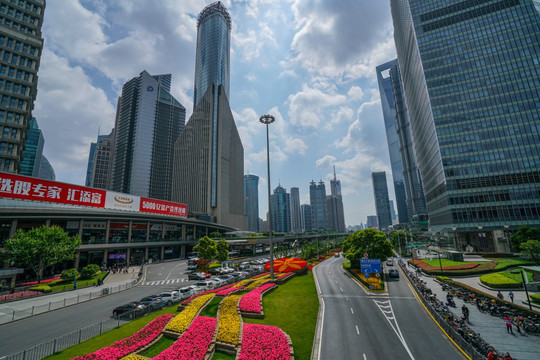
(281, 210)
(251, 198)
(306, 217)
(296, 215)
(91, 159)
(21, 44)
(148, 122)
(334, 204)
(382, 202)
(33, 150)
(471, 75)
(319, 209)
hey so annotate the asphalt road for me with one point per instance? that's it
(358, 324)
(25, 333)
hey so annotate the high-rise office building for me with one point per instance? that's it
(251, 198)
(20, 48)
(281, 210)
(372, 221)
(91, 159)
(33, 150)
(296, 214)
(334, 203)
(102, 164)
(382, 201)
(209, 156)
(319, 209)
(393, 214)
(148, 122)
(305, 210)
(392, 137)
(471, 79)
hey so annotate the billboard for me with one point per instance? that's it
(29, 188)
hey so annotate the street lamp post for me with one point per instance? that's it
(440, 263)
(268, 119)
(524, 285)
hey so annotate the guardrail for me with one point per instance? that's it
(66, 301)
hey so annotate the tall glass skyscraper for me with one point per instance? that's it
(33, 150)
(471, 76)
(148, 122)
(91, 159)
(319, 209)
(209, 156)
(382, 201)
(20, 50)
(251, 198)
(281, 210)
(334, 204)
(306, 217)
(296, 215)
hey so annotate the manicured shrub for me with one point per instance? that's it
(41, 288)
(69, 274)
(535, 298)
(499, 281)
(89, 271)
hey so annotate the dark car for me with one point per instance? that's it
(393, 273)
(196, 276)
(152, 302)
(130, 310)
(389, 262)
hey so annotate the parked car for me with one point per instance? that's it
(228, 278)
(217, 282)
(195, 289)
(192, 267)
(389, 262)
(205, 285)
(185, 292)
(215, 271)
(196, 276)
(169, 297)
(227, 270)
(153, 302)
(130, 310)
(393, 273)
(244, 265)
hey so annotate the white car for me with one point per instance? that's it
(185, 292)
(169, 297)
(205, 285)
(195, 289)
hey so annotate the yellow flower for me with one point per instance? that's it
(257, 283)
(229, 320)
(181, 321)
(134, 357)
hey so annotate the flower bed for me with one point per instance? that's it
(243, 282)
(19, 295)
(194, 343)
(251, 302)
(181, 321)
(257, 283)
(262, 342)
(229, 320)
(130, 344)
(190, 299)
(228, 291)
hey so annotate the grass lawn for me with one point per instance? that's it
(445, 262)
(211, 309)
(504, 263)
(293, 307)
(517, 277)
(108, 338)
(158, 347)
(222, 356)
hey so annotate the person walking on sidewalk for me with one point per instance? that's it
(508, 323)
(465, 311)
(511, 296)
(500, 296)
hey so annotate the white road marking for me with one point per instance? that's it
(340, 289)
(352, 312)
(386, 308)
(365, 357)
(357, 331)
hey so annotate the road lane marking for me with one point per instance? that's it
(357, 331)
(340, 289)
(365, 357)
(386, 308)
(352, 312)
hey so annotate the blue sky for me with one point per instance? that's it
(310, 63)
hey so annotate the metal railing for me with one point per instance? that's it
(66, 301)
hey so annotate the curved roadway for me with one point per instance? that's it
(357, 324)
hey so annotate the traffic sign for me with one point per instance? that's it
(366, 275)
(370, 265)
(378, 275)
(365, 255)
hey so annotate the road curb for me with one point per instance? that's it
(318, 328)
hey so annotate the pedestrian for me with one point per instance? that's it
(500, 296)
(479, 304)
(517, 322)
(75, 285)
(508, 323)
(465, 311)
(511, 296)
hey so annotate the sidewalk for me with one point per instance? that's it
(113, 283)
(492, 328)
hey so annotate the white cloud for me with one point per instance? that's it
(325, 162)
(355, 93)
(307, 106)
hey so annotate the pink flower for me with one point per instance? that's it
(251, 302)
(262, 342)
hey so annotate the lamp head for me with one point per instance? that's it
(267, 119)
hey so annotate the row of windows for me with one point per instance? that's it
(14, 88)
(18, 45)
(451, 157)
(16, 59)
(10, 117)
(486, 170)
(27, 5)
(452, 9)
(15, 25)
(11, 102)
(511, 195)
(501, 213)
(18, 14)
(6, 148)
(518, 178)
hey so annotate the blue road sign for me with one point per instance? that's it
(370, 265)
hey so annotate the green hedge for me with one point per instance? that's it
(535, 298)
(43, 288)
(499, 281)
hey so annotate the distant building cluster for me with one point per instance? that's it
(462, 118)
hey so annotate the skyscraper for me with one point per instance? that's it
(91, 159)
(21, 45)
(471, 79)
(281, 210)
(209, 156)
(382, 202)
(33, 150)
(392, 137)
(102, 164)
(319, 209)
(306, 217)
(251, 198)
(148, 122)
(334, 203)
(296, 215)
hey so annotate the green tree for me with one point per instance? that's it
(370, 241)
(69, 274)
(523, 234)
(41, 247)
(206, 248)
(89, 271)
(215, 235)
(531, 248)
(222, 250)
